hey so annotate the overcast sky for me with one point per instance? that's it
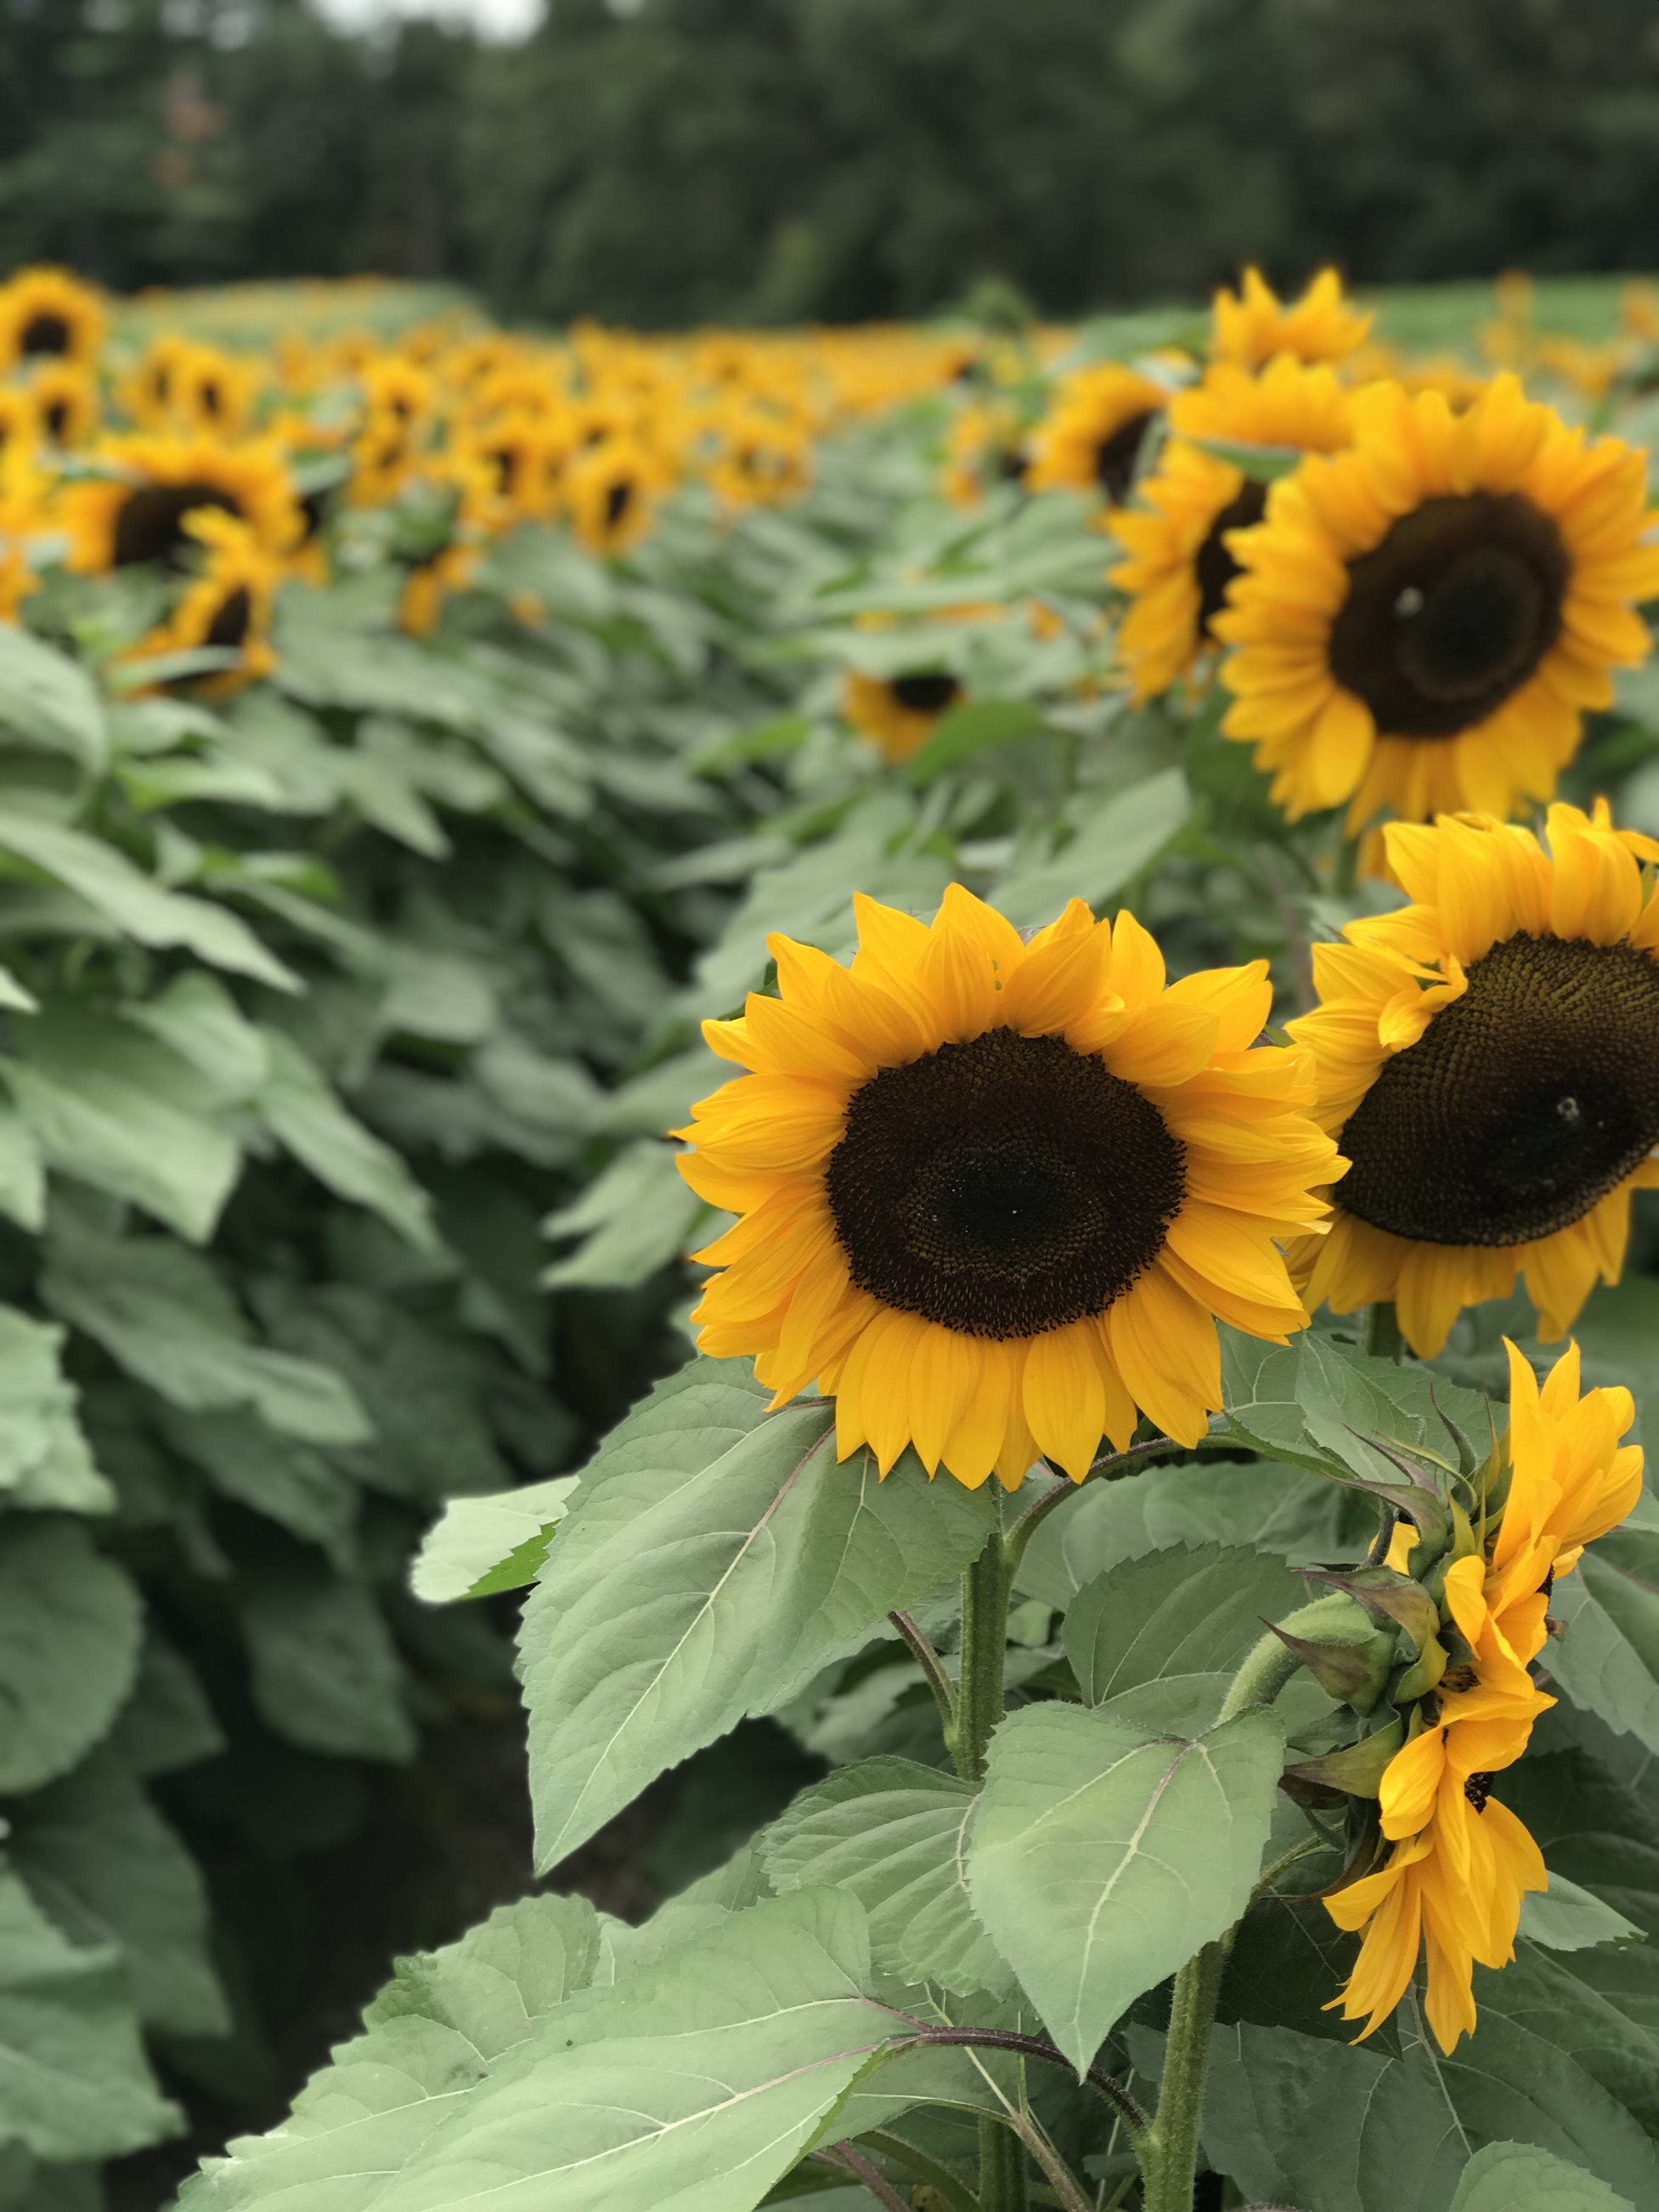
(497, 19)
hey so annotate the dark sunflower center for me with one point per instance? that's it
(1115, 457)
(1451, 613)
(1478, 1788)
(1003, 1188)
(46, 333)
(1523, 1103)
(1216, 566)
(56, 420)
(617, 500)
(229, 626)
(150, 524)
(926, 695)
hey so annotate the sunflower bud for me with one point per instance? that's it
(1353, 1672)
(1357, 1770)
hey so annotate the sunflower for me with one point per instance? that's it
(1422, 619)
(65, 401)
(20, 424)
(1460, 1862)
(136, 513)
(1488, 1058)
(147, 393)
(899, 713)
(1253, 323)
(1179, 565)
(611, 490)
(229, 605)
(1094, 432)
(993, 1193)
(23, 493)
(762, 456)
(48, 314)
(212, 393)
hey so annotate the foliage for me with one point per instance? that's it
(700, 159)
(324, 1001)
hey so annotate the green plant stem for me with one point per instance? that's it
(1168, 2154)
(1169, 2158)
(985, 1591)
(943, 1690)
(1001, 2167)
(1380, 1334)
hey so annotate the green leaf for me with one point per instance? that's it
(70, 1626)
(22, 1173)
(124, 1113)
(301, 1112)
(697, 2083)
(167, 1723)
(161, 1313)
(134, 902)
(326, 1673)
(1519, 2178)
(1260, 464)
(429, 2037)
(49, 700)
(891, 1834)
(1318, 1403)
(1274, 1508)
(1607, 1658)
(289, 1482)
(44, 1462)
(482, 1545)
(635, 1217)
(1339, 2129)
(103, 1864)
(1114, 843)
(197, 1017)
(972, 729)
(1104, 1858)
(73, 2081)
(1564, 1918)
(1187, 1611)
(716, 1557)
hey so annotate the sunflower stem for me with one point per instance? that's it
(1381, 1334)
(1001, 2167)
(1169, 2157)
(984, 1592)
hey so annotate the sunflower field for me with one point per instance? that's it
(907, 1071)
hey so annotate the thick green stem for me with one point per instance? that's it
(1169, 2159)
(985, 1590)
(1381, 1334)
(1169, 2156)
(1001, 2167)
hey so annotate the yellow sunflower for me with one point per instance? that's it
(47, 313)
(993, 1193)
(611, 490)
(23, 493)
(137, 512)
(1253, 323)
(1488, 1059)
(1179, 563)
(1460, 1862)
(228, 604)
(1097, 427)
(899, 713)
(65, 401)
(1422, 619)
(19, 425)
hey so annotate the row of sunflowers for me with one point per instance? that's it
(627, 681)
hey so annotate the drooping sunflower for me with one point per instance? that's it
(137, 512)
(1488, 1059)
(228, 604)
(899, 713)
(1460, 1862)
(1181, 563)
(993, 1194)
(1422, 619)
(1253, 323)
(1096, 430)
(46, 313)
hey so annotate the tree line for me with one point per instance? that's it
(682, 161)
